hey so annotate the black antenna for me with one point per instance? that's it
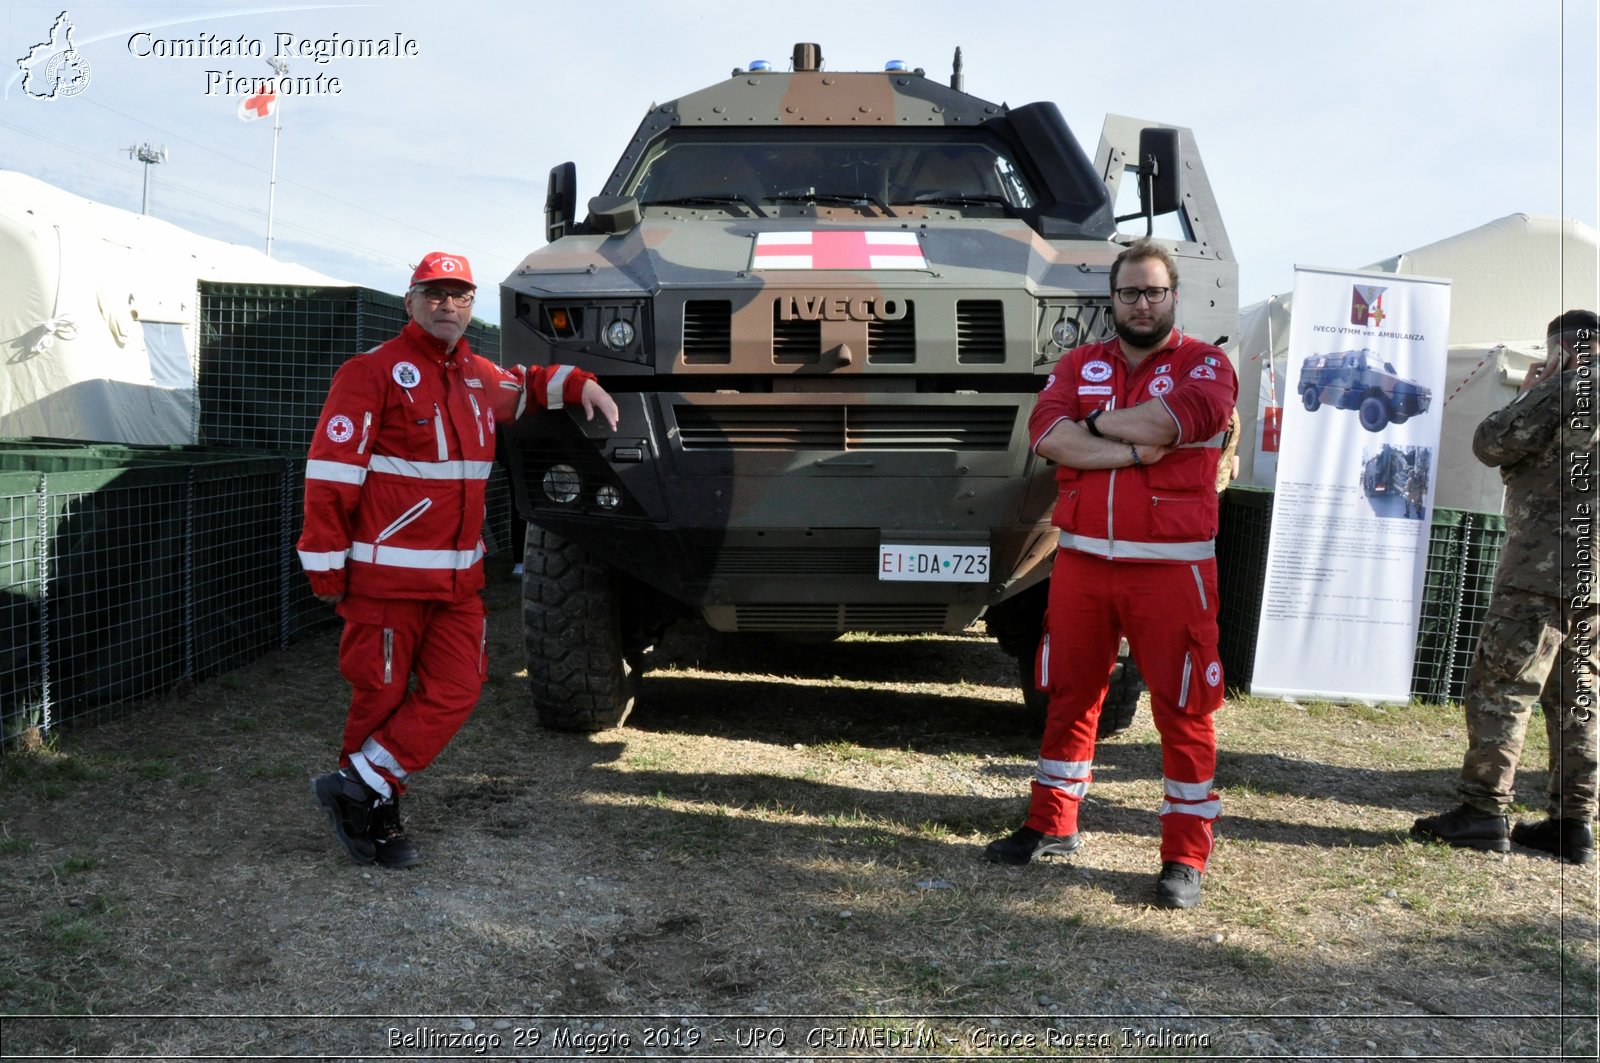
(955, 72)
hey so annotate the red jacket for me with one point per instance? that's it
(1164, 511)
(395, 480)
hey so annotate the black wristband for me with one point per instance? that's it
(1135, 452)
(1088, 422)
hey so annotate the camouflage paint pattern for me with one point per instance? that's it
(1531, 649)
(778, 425)
(1538, 640)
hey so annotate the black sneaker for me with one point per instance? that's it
(1028, 843)
(394, 849)
(1467, 828)
(1570, 839)
(348, 802)
(1178, 886)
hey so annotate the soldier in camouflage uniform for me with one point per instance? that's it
(1416, 489)
(1538, 640)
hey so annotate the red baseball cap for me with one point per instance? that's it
(440, 266)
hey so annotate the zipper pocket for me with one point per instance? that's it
(402, 520)
(366, 429)
(438, 433)
(477, 417)
(1188, 673)
(388, 655)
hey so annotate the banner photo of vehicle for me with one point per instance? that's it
(1348, 550)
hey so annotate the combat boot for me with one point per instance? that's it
(1466, 828)
(348, 802)
(1570, 839)
(393, 847)
(1026, 843)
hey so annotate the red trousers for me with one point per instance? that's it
(393, 728)
(1168, 611)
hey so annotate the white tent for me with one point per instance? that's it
(98, 311)
(1508, 279)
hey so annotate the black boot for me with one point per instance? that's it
(348, 802)
(1026, 843)
(1467, 828)
(394, 849)
(1178, 885)
(1570, 839)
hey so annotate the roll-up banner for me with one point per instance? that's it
(1354, 497)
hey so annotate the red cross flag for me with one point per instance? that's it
(832, 249)
(258, 106)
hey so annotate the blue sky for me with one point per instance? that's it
(1334, 134)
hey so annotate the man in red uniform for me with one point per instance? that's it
(1135, 426)
(393, 515)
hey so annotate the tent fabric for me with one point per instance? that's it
(1508, 279)
(98, 310)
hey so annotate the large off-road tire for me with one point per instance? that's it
(1122, 698)
(1116, 712)
(1311, 398)
(1374, 413)
(582, 669)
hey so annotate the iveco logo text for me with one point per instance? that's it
(839, 308)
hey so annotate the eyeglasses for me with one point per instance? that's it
(1129, 296)
(439, 295)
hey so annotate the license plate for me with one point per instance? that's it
(934, 564)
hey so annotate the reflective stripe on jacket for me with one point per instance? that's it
(396, 473)
(1164, 511)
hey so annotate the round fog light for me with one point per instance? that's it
(562, 483)
(1065, 334)
(619, 334)
(608, 497)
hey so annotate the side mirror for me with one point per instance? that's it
(1158, 171)
(560, 201)
(614, 214)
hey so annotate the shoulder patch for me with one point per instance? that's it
(340, 428)
(1161, 385)
(1203, 372)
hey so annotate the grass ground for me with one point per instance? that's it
(781, 850)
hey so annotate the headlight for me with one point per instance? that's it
(608, 497)
(619, 335)
(562, 484)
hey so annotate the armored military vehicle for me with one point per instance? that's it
(825, 303)
(1360, 380)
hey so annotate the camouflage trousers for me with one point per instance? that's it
(1533, 648)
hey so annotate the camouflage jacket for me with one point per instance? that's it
(1543, 443)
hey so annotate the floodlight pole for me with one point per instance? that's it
(148, 155)
(281, 69)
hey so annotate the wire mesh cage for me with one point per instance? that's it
(125, 569)
(1463, 551)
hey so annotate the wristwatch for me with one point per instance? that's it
(1088, 422)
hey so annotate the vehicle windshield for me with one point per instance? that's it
(935, 170)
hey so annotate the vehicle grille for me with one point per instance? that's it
(980, 332)
(893, 342)
(850, 617)
(791, 561)
(707, 332)
(903, 428)
(795, 342)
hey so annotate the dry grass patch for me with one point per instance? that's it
(761, 842)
